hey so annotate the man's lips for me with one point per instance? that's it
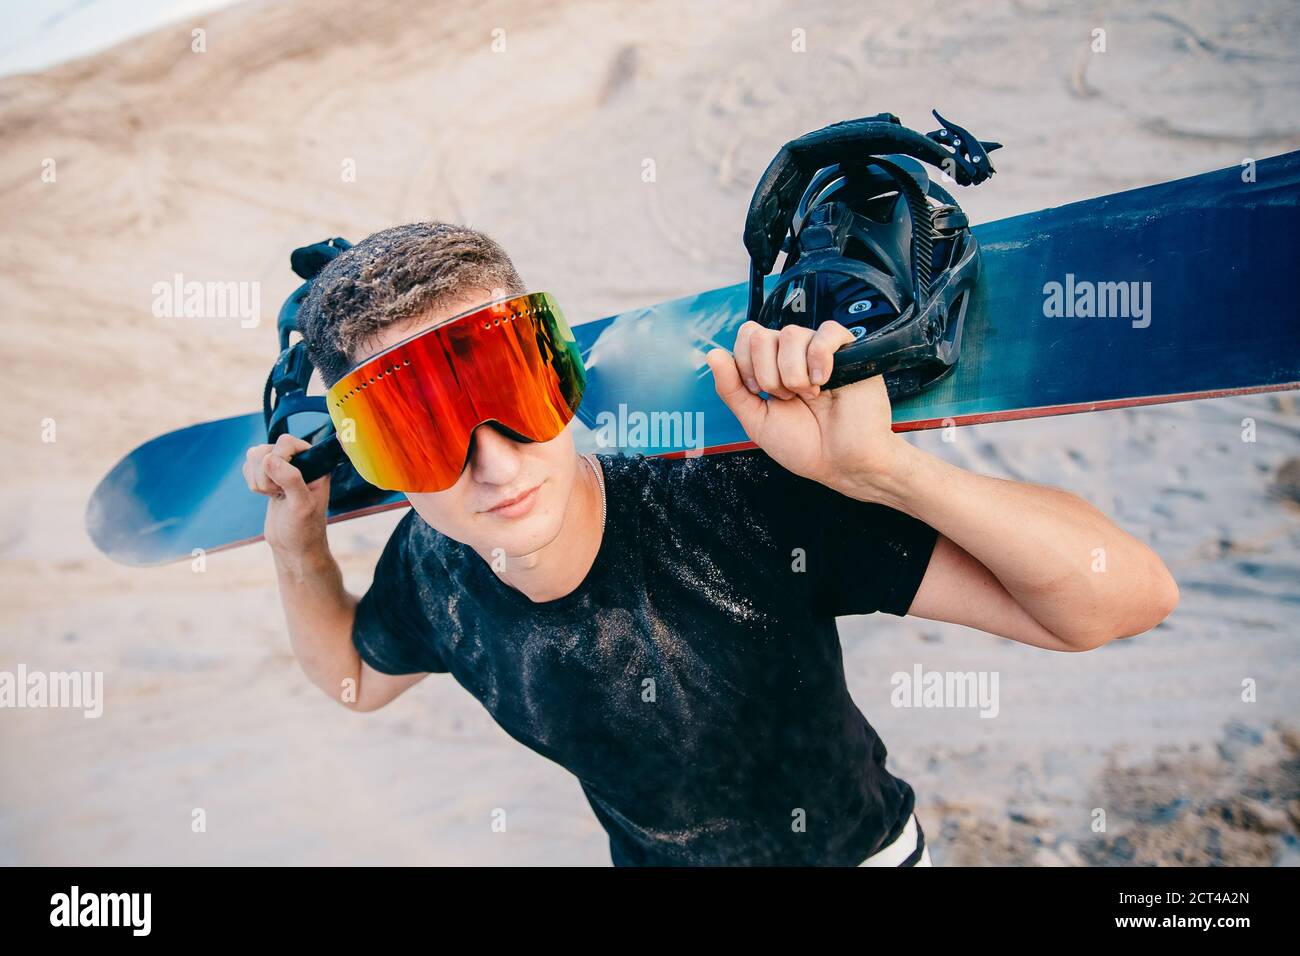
(516, 506)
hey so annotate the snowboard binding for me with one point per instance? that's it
(871, 243)
(286, 395)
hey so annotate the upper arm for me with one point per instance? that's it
(396, 625)
(959, 589)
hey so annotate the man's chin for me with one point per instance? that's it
(519, 537)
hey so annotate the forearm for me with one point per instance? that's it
(1064, 562)
(320, 613)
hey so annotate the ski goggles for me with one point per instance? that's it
(406, 416)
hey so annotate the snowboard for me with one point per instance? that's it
(1164, 293)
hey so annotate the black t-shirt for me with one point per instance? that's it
(693, 682)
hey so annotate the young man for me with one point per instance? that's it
(664, 629)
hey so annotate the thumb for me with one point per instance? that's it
(749, 409)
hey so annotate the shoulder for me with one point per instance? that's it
(413, 534)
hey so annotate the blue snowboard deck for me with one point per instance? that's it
(1212, 260)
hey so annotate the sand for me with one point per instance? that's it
(213, 165)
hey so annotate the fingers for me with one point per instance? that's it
(253, 474)
(268, 471)
(763, 346)
(287, 478)
(789, 362)
(734, 392)
(792, 360)
(740, 353)
(830, 337)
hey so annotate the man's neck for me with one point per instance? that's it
(557, 568)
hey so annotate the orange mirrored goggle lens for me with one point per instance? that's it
(405, 416)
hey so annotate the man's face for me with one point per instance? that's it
(512, 495)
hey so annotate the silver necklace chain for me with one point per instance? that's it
(600, 480)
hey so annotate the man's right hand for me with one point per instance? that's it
(295, 515)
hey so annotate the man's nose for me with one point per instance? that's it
(493, 453)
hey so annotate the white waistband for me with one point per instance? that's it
(904, 846)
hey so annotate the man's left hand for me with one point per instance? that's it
(841, 438)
